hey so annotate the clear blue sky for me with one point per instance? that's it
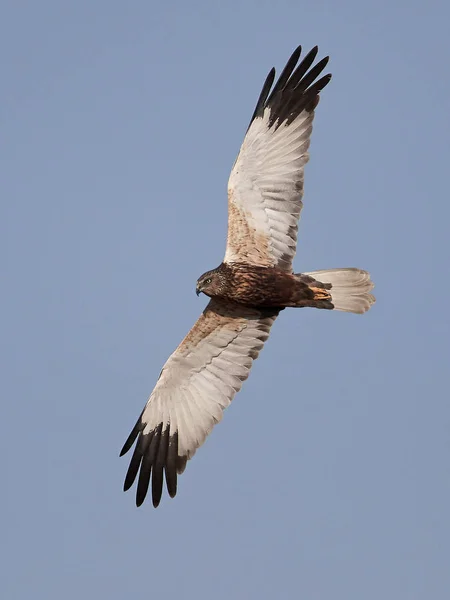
(329, 476)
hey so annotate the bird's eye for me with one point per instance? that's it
(208, 281)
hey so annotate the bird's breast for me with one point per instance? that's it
(260, 286)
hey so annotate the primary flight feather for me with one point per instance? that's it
(248, 290)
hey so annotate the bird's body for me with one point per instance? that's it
(248, 290)
(264, 287)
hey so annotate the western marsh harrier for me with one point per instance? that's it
(248, 290)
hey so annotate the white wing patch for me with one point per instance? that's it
(265, 192)
(197, 383)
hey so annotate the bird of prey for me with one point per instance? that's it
(251, 286)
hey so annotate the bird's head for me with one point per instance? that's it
(211, 283)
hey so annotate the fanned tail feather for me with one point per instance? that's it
(350, 288)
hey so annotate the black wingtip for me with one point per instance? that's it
(130, 441)
(154, 459)
(317, 87)
(156, 500)
(295, 89)
(171, 465)
(263, 95)
(309, 58)
(139, 426)
(133, 469)
(142, 487)
(140, 499)
(295, 56)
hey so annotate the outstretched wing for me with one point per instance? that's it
(197, 383)
(265, 188)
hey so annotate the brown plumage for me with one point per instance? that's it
(249, 289)
(270, 287)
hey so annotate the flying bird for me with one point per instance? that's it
(248, 290)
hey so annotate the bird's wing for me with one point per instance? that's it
(265, 188)
(197, 383)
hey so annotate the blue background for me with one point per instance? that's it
(329, 475)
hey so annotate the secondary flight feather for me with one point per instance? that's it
(249, 288)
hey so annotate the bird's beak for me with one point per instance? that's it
(198, 290)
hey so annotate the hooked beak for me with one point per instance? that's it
(198, 290)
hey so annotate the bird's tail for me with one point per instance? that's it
(349, 289)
